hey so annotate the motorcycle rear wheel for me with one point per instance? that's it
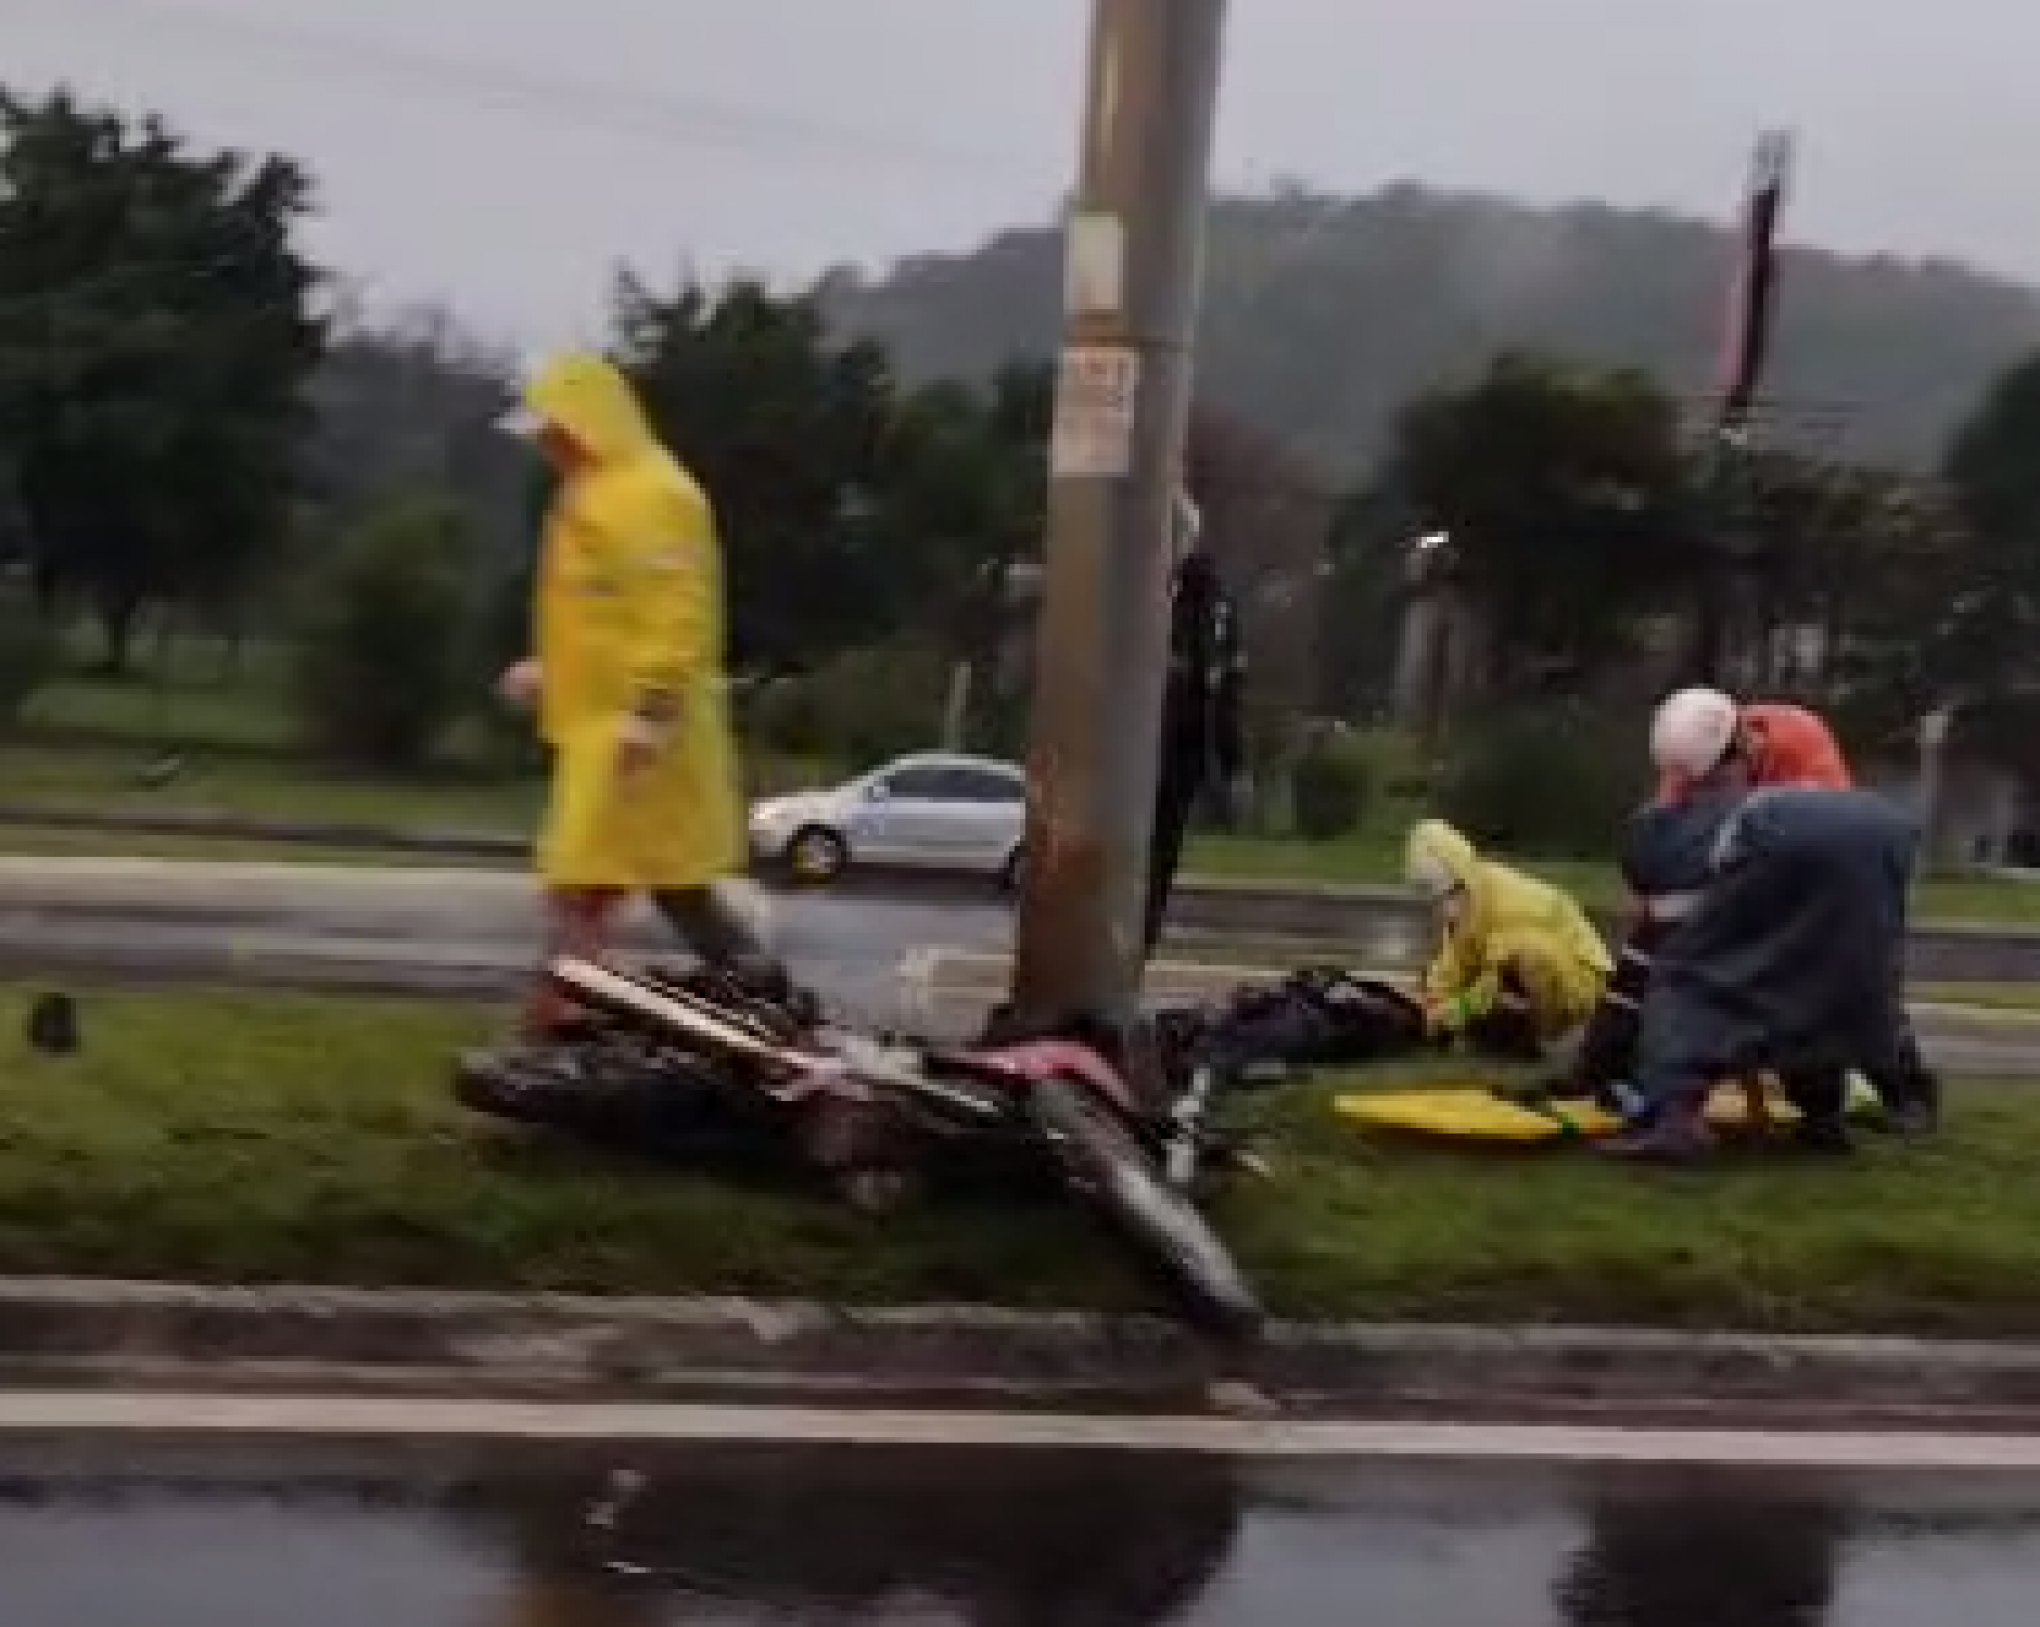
(1104, 1162)
(598, 1092)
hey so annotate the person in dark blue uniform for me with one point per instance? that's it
(1785, 966)
(1203, 744)
(1713, 754)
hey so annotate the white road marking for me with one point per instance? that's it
(914, 985)
(313, 1417)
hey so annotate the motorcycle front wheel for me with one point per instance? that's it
(1105, 1163)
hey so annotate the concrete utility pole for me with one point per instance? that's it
(1135, 242)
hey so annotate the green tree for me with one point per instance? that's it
(383, 666)
(1562, 489)
(156, 334)
(1985, 639)
(31, 655)
(1364, 600)
(787, 429)
(1554, 782)
(413, 401)
(959, 498)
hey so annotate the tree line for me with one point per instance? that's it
(1587, 525)
(194, 420)
(1324, 313)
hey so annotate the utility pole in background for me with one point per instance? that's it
(1135, 248)
(1746, 346)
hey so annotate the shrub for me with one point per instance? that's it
(500, 635)
(1553, 785)
(863, 707)
(30, 654)
(785, 715)
(1330, 786)
(382, 669)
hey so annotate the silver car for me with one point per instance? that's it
(932, 811)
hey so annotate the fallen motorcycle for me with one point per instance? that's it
(663, 1050)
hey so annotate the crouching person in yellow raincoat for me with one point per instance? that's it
(627, 678)
(1518, 964)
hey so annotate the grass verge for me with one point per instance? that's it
(59, 779)
(2014, 997)
(71, 842)
(1368, 860)
(283, 789)
(192, 694)
(249, 1139)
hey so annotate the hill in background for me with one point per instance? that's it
(1324, 315)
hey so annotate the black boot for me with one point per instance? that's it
(1676, 1133)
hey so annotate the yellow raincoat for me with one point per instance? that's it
(630, 626)
(1509, 925)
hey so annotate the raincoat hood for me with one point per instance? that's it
(1437, 858)
(587, 398)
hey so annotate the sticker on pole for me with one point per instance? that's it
(1094, 273)
(1094, 395)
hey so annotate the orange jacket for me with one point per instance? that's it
(1789, 746)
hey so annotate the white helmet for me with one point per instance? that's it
(1693, 731)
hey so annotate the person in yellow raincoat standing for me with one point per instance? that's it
(1518, 964)
(627, 678)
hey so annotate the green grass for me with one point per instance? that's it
(71, 842)
(91, 746)
(1991, 996)
(1906, 1237)
(189, 689)
(109, 782)
(65, 779)
(270, 1139)
(1373, 860)
(189, 693)
(182, 706)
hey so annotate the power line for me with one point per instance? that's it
(622, 109)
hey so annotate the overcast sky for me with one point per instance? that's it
(501, 155)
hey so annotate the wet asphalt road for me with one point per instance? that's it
(386, 929)
(466, 932)
(735, 1535)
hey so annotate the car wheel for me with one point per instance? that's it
(815, 855)
(1013, 873)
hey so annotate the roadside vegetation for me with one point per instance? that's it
(237, 1138)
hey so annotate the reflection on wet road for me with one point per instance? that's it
(730, 1535)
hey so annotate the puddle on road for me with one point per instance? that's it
(726, 1535)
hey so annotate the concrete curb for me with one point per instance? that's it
(390, 1341)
